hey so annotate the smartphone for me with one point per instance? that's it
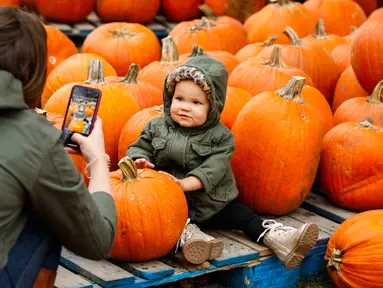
(81, 113)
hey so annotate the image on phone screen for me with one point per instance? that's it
(81, 110)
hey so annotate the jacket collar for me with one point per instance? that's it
(11, 92)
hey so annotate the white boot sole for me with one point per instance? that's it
(198, 251)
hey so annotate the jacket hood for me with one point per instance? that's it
(211, 75)
(11, 96)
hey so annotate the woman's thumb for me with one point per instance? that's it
(78, 138)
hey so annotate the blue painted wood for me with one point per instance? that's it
(313, 265)
(67, 279)
(149, 270)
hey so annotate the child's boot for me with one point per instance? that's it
(197, 247)
(288, 243)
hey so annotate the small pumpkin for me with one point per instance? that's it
(350, 169)
(133, 128)
(67, 11)
(177, 11)
(353, 252)
(115, 109)
(266, 75)
(59, 47)
(73, 69)
(362, 108)
(123, 44)
(13, 3)
(155, 73)
(253, 49)
(336, 14)
(342, 56)
(151, 213)
(271, 132)
(275, 17)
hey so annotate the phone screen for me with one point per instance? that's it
(81, 110)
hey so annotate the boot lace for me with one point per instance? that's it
(272, 225)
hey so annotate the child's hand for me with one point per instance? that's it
(143, 163)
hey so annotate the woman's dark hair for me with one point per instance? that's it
(23, 51)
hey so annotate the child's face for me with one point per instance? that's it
(81, 108)
(190, 106)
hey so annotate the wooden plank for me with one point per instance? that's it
(180, 259)
(61, 26)
(149, 270)
(101, 272)
(67, 279)
(321, 206)
(233, 252)
(84, 28)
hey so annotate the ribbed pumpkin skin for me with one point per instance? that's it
(151, 215)
(351, 170)
(342, 56)
(360, 238)
(272, 173)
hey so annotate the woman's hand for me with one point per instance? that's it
(143, 163)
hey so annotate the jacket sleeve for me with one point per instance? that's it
(142, 148)
(212, 170)
(85, 223)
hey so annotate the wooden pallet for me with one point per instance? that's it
(242, 264)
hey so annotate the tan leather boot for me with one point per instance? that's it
(288, 243)
(197, 247)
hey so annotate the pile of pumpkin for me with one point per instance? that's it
(304, 92)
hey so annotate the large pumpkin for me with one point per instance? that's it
(115, 109)
(145, 94)
(177, 11)
(256, 76)
(133, 128)
(342, 56)
(253, 49)
(362, 108)
(275, 17)
(59, 47)
(134, 11)
(351, 170)
(347, 87)
(313, 60)
(13, 3)
(336, 14)
(151, 213)
(68, 11)
(123, 44)
(156, 72)
(73, 69)
(271, 131)
(354, 252)
(366, 54)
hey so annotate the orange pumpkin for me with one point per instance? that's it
(236, 99)
(151, 213)
(275, 17)
(313, 60)
(59, 47)
(68, 11)
(132, 129)
(145, 94)
(336, 14)
(321, 38)
(271, 132)
(342, 56)
(377, 14)
(253, 49)
(362, 108)
(14, 3)
(155, 73)
(73, 69)
(368, 6)
(76, 125)
(123, 44)
(353, 252)
(115, 109)
(350, 170)
(267, 75)
(134, 11)
(350, 37)
(227, 59)
(177, 11)
(366, 54)
(347, 87)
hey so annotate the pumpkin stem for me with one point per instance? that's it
(95, 72)
(275, 58)
(293, 36)
(320, 32)
(292, 90)
(270, 41)
(197, 51)
(128, 168)
(335, 260)
(160, 109)
(207, 11)
(122, 33)
(169, 52)
(41, 112)
(377, 95)
(205, 23)
(131, 75)
(281, 2)
(368, 124)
